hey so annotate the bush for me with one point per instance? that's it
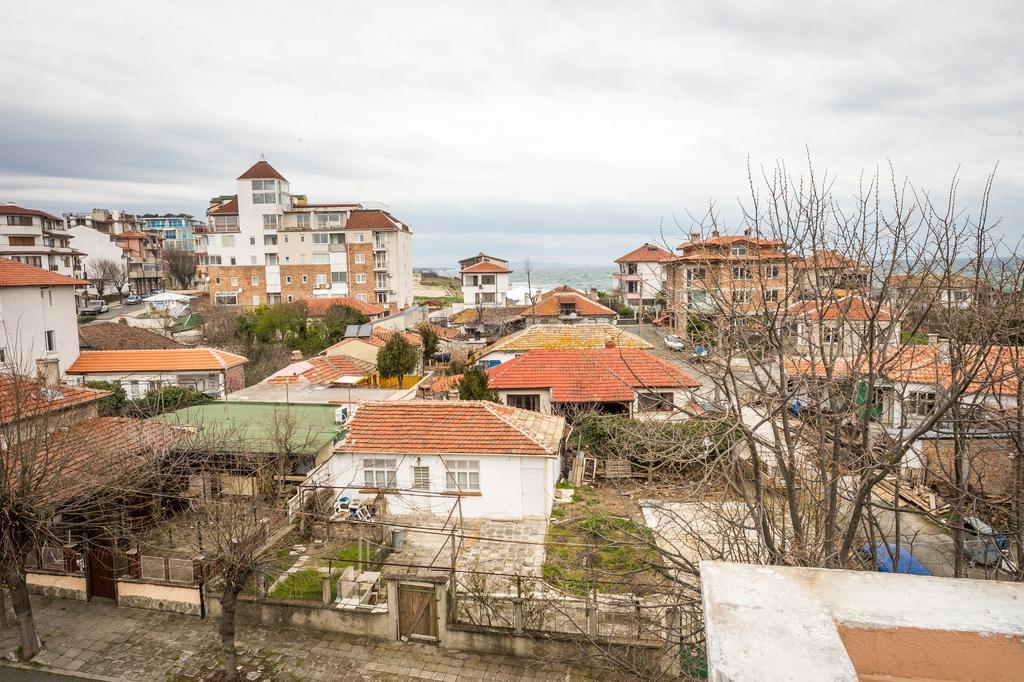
(166, 399)
(114, 404)
(473, 385)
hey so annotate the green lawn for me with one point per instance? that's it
(304, 584)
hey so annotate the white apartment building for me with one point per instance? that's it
(485, 280)
(265, 245)
(118, 235)
(38, 317)
(642, 275)
(35, 237)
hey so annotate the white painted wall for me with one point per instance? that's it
(501, 484)
(97, 246)
(26, 313)
(500, 288)
(202, 381)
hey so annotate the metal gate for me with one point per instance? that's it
(417, 613)
(101, 572)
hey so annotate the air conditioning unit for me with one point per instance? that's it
(344, 413)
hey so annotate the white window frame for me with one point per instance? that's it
(741, 273)
(462, 475)
(360, 258)
(379, 472)
(360, 278)
(421, 478)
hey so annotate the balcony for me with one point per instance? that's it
(380, 265)
(217, 229)
(336, 248)
(621, 277)
(379, 246)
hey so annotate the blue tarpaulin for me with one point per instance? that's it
(884, 553)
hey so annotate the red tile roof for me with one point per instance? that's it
(729, 240)
(11, 209)
(261, 170)
(550, 304)
(850, 308)
(15, 274)
(445, 384)
(378, 337)
(371, 219)
(485, 267)
(134, 234)
(443, 333)
(450, 427)
(586, 376)
(322, 370)
(23, 398)
(116, 446)
(115, 336)
(227, 208)
(318, 306)
(828, 259)
(648, 253)
(161, 360)
(565, 337)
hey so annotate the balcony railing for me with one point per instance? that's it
(625, 278)
(217, 229)
(336, 248)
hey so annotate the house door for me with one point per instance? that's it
(101, 572)
(535, 488)
(417, 613)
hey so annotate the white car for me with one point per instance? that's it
(673, 342)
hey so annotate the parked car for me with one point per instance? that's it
(94, 307)
(673, 342)
(134, 299)
(884, 552)
(982, 544)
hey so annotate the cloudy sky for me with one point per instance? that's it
(563, 131)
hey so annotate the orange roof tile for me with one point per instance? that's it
(261, 170)
(15, 274)
(851, 308)
(444, 333)
(156, 360)
(589, 376)
(728, 240)
(322, 370)
(227, 208)
(648, 253)
(450, 427)
(21, 398)
(550, 304)
(565, 337)
(828, 259)
(445, 384)
(486, 267)
(371, 219)
(116, 336)
(319, 306)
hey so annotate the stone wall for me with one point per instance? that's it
(158, 597)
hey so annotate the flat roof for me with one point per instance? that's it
(254, 422)
(314, 394)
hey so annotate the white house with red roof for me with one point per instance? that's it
(38, 318)
(35, 237)
(485, 280)
(612, 380)
(484, 459)
(642, 275)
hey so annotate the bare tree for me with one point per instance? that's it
(110, 270)
(181, 266)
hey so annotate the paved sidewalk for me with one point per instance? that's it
(134, 644)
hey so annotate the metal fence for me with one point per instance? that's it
(56, 560)
(167, 569)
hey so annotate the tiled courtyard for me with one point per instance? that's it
(131, 644)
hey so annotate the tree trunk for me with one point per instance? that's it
(30, 645)
(228, 602)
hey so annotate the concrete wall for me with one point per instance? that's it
(158, 596)
(373, 622)
(26, 313)
(57, 585)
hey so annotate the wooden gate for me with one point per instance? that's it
(417, 613)
(101, 572)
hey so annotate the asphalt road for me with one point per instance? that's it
(9, 674)
(656, 337)
(116, 310)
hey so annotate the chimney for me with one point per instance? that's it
(296, 355)
(747, 232)
(944, 346)
(48, 372)
(695, 237)
(933, 339)
(609, 342)
(715, 234)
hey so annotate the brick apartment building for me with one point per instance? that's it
(265, 245)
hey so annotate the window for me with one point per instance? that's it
(290, 298)
(380, 261)
(321, 258)
(255, 300)
(264, 191)
(524, 402)
(421, 478)
(361, 297)
(233, 260)
(771, 271)
(741, 296)
(255, 280)
(920, 403)
(21, 241)
(50, 338)
(339, 277)
(302, 239)
(382, 281)
(225, 298)
(360, 237)
(360, 278)
(20, 220)
(270, 240)
(320, 238)
(741, 273)
(321, 278)
(651, 402)
(273, 299)
(337, 238)
(739, 251)
(831, 333)
(216, 280)
(771, 295)
(302, 220)
(271, 258)
(287, 279)
(360, 258)
(305, 279)
(382, 297)
(567, 309)
(379, 473)
(234, 281)
(325, 221)
(463, 475)
(3, 355)
(286, 239)
(252, 241)
(227, 240)
(697, 300)
(487, 280)
(695, 274)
